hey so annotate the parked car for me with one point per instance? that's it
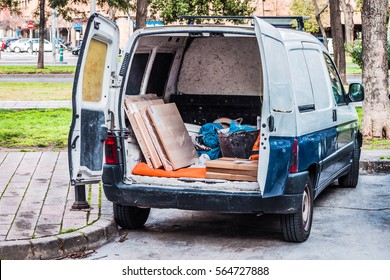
(30, 45)
(19, 45)
(5, 43)
(281, 81)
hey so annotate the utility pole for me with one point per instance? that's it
(93, 7)
(53, 32)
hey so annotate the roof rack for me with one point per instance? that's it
(277, 21)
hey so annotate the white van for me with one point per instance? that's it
(281, 81)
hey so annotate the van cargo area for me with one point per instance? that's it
(209, 77)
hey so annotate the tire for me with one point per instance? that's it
(351, 179)
(130, 217)
(17, 49)
(296, 227)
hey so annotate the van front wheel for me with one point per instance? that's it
(130, 217)
(296, 227)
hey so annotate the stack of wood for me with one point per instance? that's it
(160, 132)
(232, 169)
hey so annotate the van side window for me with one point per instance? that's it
(137, 71)
(301, 81)
(337, 86)
(318, 78)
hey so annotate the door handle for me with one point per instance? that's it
(334, 115)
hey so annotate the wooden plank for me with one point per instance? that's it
(252, 173)
(150, 135)
(138, 98)
(141, 132)
(173, 135)
(231, 177)
(139, 137)
(227, 163)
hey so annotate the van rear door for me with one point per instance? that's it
(92, 90)
(277, 119)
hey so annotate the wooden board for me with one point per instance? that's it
(231, 177)
(252, 173)
(141, 108)
(140, 130)
(231, 163)
(173, 135)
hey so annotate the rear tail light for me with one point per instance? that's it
(294, 157)
(111, 151)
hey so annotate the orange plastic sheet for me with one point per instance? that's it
(144, 170)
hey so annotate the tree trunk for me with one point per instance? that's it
(319, 22)
(348, 20)
(338, 40)
(42, 23)
(142, 11)
(376, 106)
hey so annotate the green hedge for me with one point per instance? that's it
(355, 50)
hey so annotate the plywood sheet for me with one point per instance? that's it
(151, 135)
(173, 135)
(141, 132)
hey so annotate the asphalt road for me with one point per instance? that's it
(348, 224)
(11, 58)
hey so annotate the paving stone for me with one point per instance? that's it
(43, 230)
(52, 209)
(73, 224)
(3, 155)
(6, 218)
(17, 234)
(28, 205)
(51, 219)
(15, 192)
(9, 205)
(4, 228)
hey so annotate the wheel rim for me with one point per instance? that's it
(306, 209)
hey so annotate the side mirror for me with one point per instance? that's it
(356, 92)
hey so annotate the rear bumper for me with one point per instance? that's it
(194, 199)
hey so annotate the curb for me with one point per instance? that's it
(61, 246)
(378, 166)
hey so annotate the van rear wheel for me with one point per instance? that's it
(296, 227)
(130, 217)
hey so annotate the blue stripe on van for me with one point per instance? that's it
(313, 148)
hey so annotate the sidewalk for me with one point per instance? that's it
(36, 220)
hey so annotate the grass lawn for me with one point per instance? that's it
(23, 69)
(34, 128)
(35, 91)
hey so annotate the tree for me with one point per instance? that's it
(348, 11)
(338, 40)
(170, 10)
(11, 5)
(42, 25)
(319, 22)
(376, 106)
(141, 13)
(305, 8)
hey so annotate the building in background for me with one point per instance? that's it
(72, 31)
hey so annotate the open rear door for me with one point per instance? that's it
(92, 90)
(276, 117)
